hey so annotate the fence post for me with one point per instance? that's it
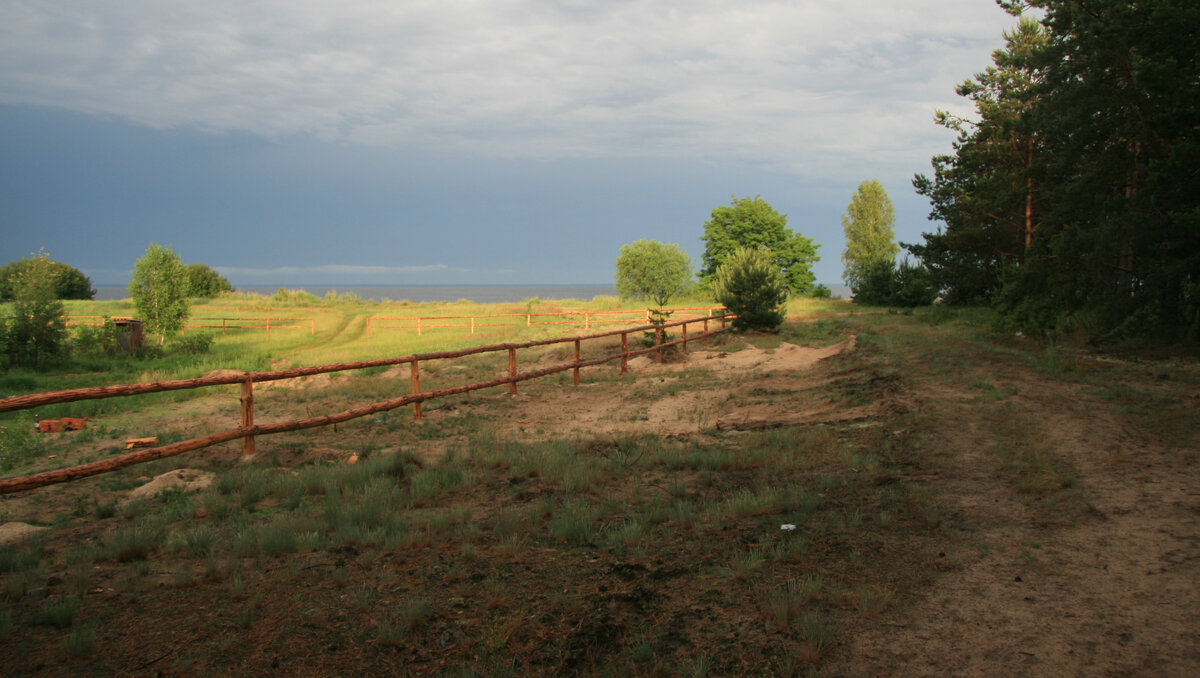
(223, 321)
(512, 369)
(528, 319)
(586, 322)
(312, 326)
(418, 327)
(247, 417)
(624, 353)
(684, 326)
(658, 332)
(706, 329)
(416, 388)
(472, 324)
(576, 362)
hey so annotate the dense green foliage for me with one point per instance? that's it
(753, 223)
(886, 283)
(750, 285)
(205, 283)
(984, 192)
(1074, 201)
(159, 291)
(36, 331)
(67, 281)
(658, 272)
(867, 224)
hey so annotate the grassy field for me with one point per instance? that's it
(506, 536)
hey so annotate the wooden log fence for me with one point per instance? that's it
(306, 324)
(585, 318)
(266, 323)
(248, 430)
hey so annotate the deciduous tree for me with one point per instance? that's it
(754, 223)
(654, 271)
(206, 283)
(868, 223)
(159, 290)
(36, 332)
(67, 281)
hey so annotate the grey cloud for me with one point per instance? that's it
(787, 82)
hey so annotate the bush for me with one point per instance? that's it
(886, 284)
(194, 344)
(36, 332)
(97, 341)
(750, 285)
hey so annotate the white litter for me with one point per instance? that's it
(787, 527)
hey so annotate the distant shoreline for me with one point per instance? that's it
(482, 294)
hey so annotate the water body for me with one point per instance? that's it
(483, 294)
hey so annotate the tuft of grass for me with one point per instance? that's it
(135, 541)
(59, 613)
(80, 641)
(575, 523)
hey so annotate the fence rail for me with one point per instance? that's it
(584, 318)
(309, 323)
(248, 430)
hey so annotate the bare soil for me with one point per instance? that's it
(1066, 536)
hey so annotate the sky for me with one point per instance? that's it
(458, 142)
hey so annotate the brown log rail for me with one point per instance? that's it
(266, 323)
(248, 430)
(303, 324)
(584, 318)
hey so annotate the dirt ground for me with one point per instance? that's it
(1116, 593)
(1097, 578)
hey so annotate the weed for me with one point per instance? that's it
(576, 523)
(20, 557)
(59, 614)
(80, 640)
(135, 541)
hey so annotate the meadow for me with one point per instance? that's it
(726, 513)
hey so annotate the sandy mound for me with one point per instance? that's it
(185, 479)
(13, 533)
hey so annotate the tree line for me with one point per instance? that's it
(1071, 200)
(34, 330)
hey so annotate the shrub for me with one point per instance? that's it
(194, 344)
(97, 341)
(749, 284)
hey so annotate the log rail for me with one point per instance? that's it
(248, 430)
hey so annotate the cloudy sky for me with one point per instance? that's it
(460, 141)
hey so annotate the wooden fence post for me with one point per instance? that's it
(576, 362)
(312, 326)
(512, 370)
(586, 322)
(416, 388)
(624, 353)
(528, 319)
(472, 324)
(684, 326)
(418, 327)
(223, 321)
(247, 417)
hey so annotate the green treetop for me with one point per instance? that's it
(868, 225)
(753, 223)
